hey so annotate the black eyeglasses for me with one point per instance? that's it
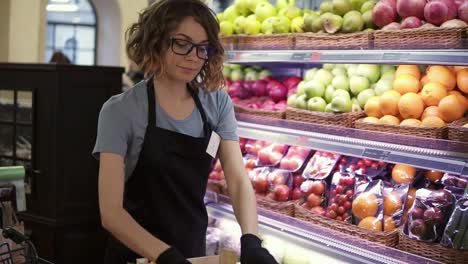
(184, 47)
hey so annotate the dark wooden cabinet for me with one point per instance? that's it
(63, 102)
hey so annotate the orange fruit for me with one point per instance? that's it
(424, 80)
(408, 69)
(371, 119)
(389, 223)
(365, 205)
(450, 108)
(372, 107)
(430, 111)
(433, 175)
(432, 121)
(371, 223)
(388, 102)
(411, 105)
(442, 75)
(432, 93)
(389, 120)
(459, 68)
(392, 203)
(403, 173)
(406, 83)
(460, 97)
(410, 198)
(411, 122)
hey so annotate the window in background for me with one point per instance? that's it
(71, 29)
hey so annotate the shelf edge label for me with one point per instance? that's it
(375, 154)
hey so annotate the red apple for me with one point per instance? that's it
(298, 180)
(275, 157)
(264, 156)
(277, 178)
(306, 187)
(281, 192)
(314, 200)
(317, 187)
(296, 194)
(261, 183)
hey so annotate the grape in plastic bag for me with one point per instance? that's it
(340, 197)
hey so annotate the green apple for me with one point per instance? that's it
(357, 4)
(251, 17)
(310, 74)
(324, 76)
(235, 66)
(264, 73)
(356, 108)
(364, 96)
(341, 93)
(237, 75)
(257, 68)
(252, 4)
(309, 22)
(354, 100)
(220, 16)
(248, 69)
(370, 71)
(352, 22)
(341, 82)
(264, 10)
(251, 76)
(368, 21)
(239, 25)
(383, 85)
(328, 66)
(358, 84)
(339, 71)
(341, 7)
(280, 4)
(388, 76)
(301, 87)
(292, 12)
(328, 108)
(351, 69)
(297, 25)
(301, 102)
(281, 25)
(267, 25)
(341, 104)
(242, 7)
(230, 14)
(387, 68)
(314, 88)
(329, 93)
(227, 72)
(316, 104)
(226, 27)
(326, 6)
(252, 27)
(291, 102)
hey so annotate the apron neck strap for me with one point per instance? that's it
(152, 107)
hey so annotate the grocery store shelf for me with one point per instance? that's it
(318, 238)
(439, 57)
(441, 155)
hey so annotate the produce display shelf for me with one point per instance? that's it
(439, 57)
(354, 249)
(434, 154)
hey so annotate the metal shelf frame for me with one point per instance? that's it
(357, 143)
(438, 57)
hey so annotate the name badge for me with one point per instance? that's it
(213, 145)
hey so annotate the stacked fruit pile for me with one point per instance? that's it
(429, 100)
(341, 88)
(420, 13)
(254, 17)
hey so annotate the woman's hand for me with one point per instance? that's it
(252, 251)
(171, 256)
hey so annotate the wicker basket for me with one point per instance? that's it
(265, 42)
(361, 40)
(432, 251)
(429, 132)
(344, 119)
(229, 42)
(457, 132)
(259, 112)
(389, 238)
(427, 38)
(286, 208)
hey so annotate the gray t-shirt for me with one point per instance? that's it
(124, 117)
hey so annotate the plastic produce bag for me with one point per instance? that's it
(365, 167)
(367, 206)
(314, 195)
(340, 197)
(295, 158)
(271, 155)
(394, 203)
(429, 215)
(455, 184)
(320, 165)
(455, 233)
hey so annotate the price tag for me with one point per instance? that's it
(300, 56)
(395, 56)
(376, 154)
(301, 140)
(454, 168)
(230, 56)
(315, 56)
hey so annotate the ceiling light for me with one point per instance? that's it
(62, 8)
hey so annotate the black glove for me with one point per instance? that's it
(171, 256)
(252, 251)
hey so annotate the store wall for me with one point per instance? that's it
(108, 31)
(4, 29)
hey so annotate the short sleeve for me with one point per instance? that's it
(114, 130)
(227, 123)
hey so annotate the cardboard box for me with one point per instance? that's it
(226, 257)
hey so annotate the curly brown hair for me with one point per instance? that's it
(147, 39)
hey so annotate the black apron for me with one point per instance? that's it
(165, 192)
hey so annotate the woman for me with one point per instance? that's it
(156, 141)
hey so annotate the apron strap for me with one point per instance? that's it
(152, 107)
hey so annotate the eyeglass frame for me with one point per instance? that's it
(209, 48)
